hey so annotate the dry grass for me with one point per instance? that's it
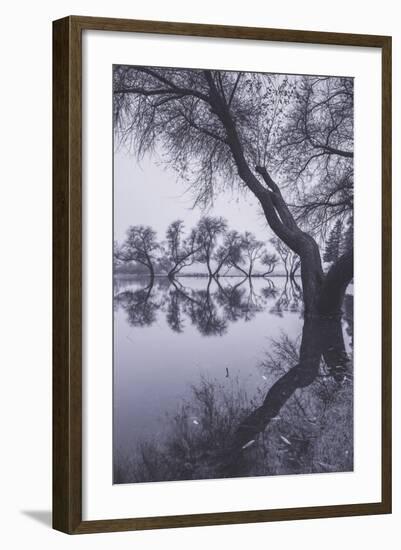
(313, 433)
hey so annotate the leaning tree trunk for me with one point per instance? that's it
(321, 337)
(321, 294)
(334, 285)
(274, 207)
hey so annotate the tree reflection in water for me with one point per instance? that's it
(311, 402)
(301, 422)
(210, 309)
(141, 305)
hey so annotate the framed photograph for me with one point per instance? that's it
(222, 275)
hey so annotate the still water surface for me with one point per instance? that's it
(167, 336)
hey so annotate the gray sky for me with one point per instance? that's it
(150, 194)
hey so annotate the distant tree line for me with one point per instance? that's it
(210, 243)
(286, 140)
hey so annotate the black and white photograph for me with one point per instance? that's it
(200, 353)
(232, 274)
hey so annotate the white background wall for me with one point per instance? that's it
(25, 287)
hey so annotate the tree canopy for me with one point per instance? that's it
(286, 139)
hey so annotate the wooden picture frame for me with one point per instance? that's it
(67, 274)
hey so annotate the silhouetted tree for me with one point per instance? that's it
(269, 261)
(217, 129)
(140, 246)
(253, 250)
(180, 252)
(230, 253)
(208, 230)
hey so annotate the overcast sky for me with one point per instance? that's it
(150, 194)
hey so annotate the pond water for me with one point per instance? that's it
(168, 336)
